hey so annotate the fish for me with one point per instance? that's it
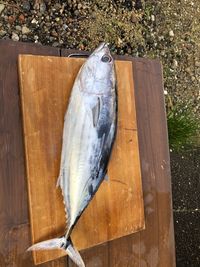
(89, 132)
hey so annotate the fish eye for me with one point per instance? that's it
(106, 58)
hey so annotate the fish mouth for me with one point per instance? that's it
(102, 47)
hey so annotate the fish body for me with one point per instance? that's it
(88, 136)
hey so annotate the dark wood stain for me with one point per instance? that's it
(152, 247)
(14, 216)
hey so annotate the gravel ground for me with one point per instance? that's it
(169, 30)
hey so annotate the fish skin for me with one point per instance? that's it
(88, 136)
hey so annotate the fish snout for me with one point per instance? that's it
(103, 51)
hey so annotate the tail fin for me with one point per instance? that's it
(60, 243)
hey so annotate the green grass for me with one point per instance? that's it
(183, 127)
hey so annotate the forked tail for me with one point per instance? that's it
(60, 243)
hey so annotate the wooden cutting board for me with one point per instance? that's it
(117, 208)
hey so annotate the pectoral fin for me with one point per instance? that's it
(96, 112)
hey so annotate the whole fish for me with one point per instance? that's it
(88, 136)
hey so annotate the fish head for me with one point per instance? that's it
(102, 62)
(99, 71)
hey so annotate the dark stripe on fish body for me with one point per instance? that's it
(103, 129)
(90, 189)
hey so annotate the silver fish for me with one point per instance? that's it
(88, 136)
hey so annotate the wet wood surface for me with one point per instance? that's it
(152, 247)
(117, 208)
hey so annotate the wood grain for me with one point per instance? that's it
(117, 208)
(14, 217)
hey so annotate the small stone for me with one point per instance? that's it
(34, 21)
(39, 6)
(79, 6)
(119, 41)
(26, 6)
(57, 6)
(21, 18)
(51, 39)
(165, 92)
(54, 33)
(2, 33)
(81, 46)
(188, 70)
(152, 18)
(11, 19)
(18, 28)
(15, 37)
(133, 18)
(2, 6)
(197, 64)
(162, 53)
(48, 24)
(76, 12)
(43, 7)
(175, 63)
(160, 38)
(64, 26)
(57, 19)
(25, 30)
(24, 37)
(171, 33)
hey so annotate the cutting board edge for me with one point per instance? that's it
(142, 227)
(26, 153)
